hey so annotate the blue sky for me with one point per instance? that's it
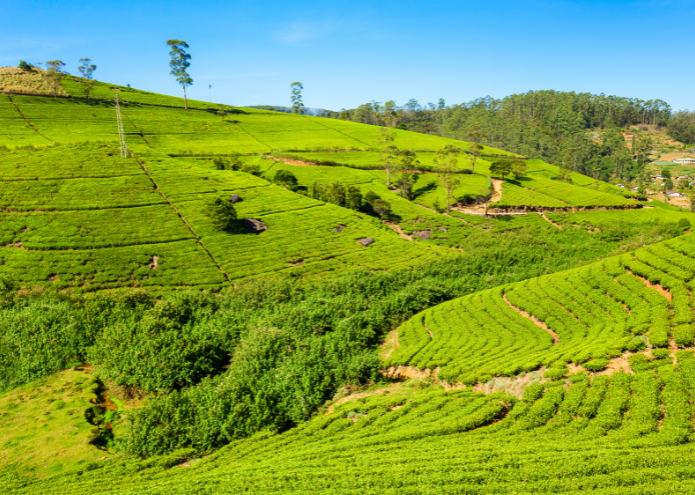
(352, 52)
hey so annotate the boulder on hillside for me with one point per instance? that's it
(234, 198)
(254, 225)
(365, 241)
(423, 234)
(339, 228)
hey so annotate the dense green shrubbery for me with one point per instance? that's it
(288, 345)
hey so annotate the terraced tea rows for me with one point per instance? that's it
(611, 434)
(100, 222)
(594, 314)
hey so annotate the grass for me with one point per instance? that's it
(43, 430)
(610, 434)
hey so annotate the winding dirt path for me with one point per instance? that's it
(399, 231)
(659, 288)
(536, 321)
(550, 221)
(389, 345)
(496, 190)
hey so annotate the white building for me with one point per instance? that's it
(684, 159)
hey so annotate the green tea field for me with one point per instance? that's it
(250, 301)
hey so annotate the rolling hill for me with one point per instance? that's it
(545, 348)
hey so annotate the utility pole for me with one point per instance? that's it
(121, 134)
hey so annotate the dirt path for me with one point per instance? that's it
(659, 288)
(550, 221)
(536, 321)
(389, 345)
(400, 232)
(481, 208)
(496, 190)
(428, 330)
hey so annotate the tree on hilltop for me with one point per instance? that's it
(87, 70)
(446, 168)
(475, 136)
(503, 167)
(179, 63)
(55, 73)
(297, 104)
(406, 172)
(387, 152)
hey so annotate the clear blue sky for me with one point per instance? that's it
(352, 52)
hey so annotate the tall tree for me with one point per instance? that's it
(501, 168)
(407, 174)
(446, 168)
(388, 151)
(179, 63)
(297, 104)
(55, 72)
(475, 135)
(87, 69)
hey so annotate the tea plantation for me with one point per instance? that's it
(339, 334)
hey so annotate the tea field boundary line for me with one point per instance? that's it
(68, 178)
(94, 248)
(336, 130)
(94, 208)
(156, 186)
(534, 320)
(27, 120)
(292, 211)
(142, 135)
(254, 137)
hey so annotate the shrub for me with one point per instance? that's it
(223, 215)
(683, 335)
(596, 364)
(661, 353)
(555, 373)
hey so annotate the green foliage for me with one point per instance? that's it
(223, 215)
(285, 178)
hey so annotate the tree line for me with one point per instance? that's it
(578, 131)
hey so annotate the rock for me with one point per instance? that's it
(234, 198)
(443, 229)
(423, 234)
(254, 226)
(339, 228)
(365, 241)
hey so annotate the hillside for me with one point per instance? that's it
(544, 430)
(349, 348)
(142, 222)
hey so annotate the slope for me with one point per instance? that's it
(623, 433)
(585, 316)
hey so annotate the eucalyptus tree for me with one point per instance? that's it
(56, 73)
(388, 152)
(297, 104)
(179, 63)
(475, 135)
(87, 69)
(446, 168)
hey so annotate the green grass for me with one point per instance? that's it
(43, 430)
(610, 434)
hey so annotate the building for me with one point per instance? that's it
(684, 159)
